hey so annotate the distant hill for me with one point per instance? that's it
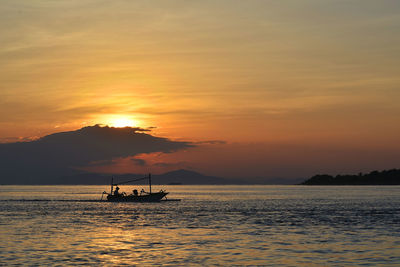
(191, 177)
(386, 177)
(184, 177)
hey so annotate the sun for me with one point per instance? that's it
(121, 122)
(118, 120)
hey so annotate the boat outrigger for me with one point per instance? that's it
(116, 196)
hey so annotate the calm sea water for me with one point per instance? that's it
(212, 225)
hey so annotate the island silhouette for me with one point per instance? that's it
(385, 177)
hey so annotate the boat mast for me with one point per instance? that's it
(112, 184)
(150, 182)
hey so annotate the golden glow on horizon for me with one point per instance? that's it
(120, 121)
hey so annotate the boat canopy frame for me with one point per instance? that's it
(130, 181)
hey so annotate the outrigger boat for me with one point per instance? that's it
(116, 196)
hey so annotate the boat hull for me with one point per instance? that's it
(151, 197)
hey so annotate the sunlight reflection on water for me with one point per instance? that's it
(212, 225)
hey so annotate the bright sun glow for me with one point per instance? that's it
(121, 122)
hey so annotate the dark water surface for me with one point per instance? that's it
(212, 225)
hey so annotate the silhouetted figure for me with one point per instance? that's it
(116, 193)
(135, 192)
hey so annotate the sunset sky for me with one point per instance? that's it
(263, 88)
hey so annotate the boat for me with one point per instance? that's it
(143, 196)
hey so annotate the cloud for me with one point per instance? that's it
(140, 162)
(64, 153)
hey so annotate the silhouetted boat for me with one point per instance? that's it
(116, 196)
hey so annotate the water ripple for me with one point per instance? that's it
(247, 225)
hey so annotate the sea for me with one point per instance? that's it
(212, 225)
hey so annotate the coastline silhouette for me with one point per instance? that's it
(385, 177)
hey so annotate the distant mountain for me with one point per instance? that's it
(191, 177)
(184, 177)
(177, 177)
(386, 177)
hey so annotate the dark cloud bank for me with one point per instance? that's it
(56, 158)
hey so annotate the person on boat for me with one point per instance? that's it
(116, 193)
(135, 192)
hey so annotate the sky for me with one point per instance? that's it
(264, 88)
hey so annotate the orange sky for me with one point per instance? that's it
(287, 74)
